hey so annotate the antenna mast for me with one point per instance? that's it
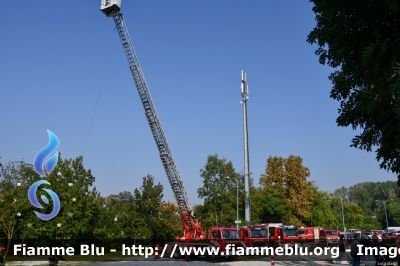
(245, 96)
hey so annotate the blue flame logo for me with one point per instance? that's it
(44, 153)
(40, 166)
(35, 202)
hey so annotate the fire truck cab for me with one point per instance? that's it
(283, 234)
(329, 237)
(222, 236)
(255, 235)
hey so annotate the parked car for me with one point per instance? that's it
(387, 235)
(392, 229)
(350, 237)
(369, 234)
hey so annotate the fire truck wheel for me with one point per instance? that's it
(194, 257)
(212, 258)
(177, 254)
(230, 258)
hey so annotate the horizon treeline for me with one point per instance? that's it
(284, 194)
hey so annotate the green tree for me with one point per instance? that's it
(360, 39)
(219, 188)
(371, 222)
(161, 218)
(266, 205)
(289, 177)
(392, 211)
(80, 208)
(353, 214)
(369, 196)
(15, 179)
(131, 224)
(321, 210)
(106, 226)
(169, 226)
(362, 194)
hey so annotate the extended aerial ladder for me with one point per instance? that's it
(192, 229)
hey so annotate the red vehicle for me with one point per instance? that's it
(329, 237)
(219, 237)
(254, 236)
(395, 236)
(194, 235)
(283, 234)
(309, 235)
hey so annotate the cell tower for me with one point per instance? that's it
(245, 96)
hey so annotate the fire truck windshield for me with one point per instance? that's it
(301, 231)
(254, 233)
(331, 233)
(290, 232)
(230, 234)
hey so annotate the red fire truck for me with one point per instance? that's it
(309, 236)
(318, 236)
(283, 234)
(193, 232)
(218, 238)
(329, 237)
(255, 235)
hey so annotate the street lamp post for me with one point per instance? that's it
(237, 204)
(384, 206)
(344, 227)
(341, 200)
(237, 222)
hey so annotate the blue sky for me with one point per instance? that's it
(54, 55)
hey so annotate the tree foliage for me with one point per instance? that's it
(393, 212)
(366, 195)
(80, 203)
(219, 191)
(84, 214)
(369, 196)
(360, 39)
(141, 215)
(353, 215)
(160, 217)
(130, 223)
(266, 205)
(289, 177)
(321, 210)
(15, 179)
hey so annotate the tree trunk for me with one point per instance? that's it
(8, 246)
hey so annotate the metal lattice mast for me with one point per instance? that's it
(245, 96)
(152, 118)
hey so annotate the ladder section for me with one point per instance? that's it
(150, 111)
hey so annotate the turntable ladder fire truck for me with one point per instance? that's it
(192, 229)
